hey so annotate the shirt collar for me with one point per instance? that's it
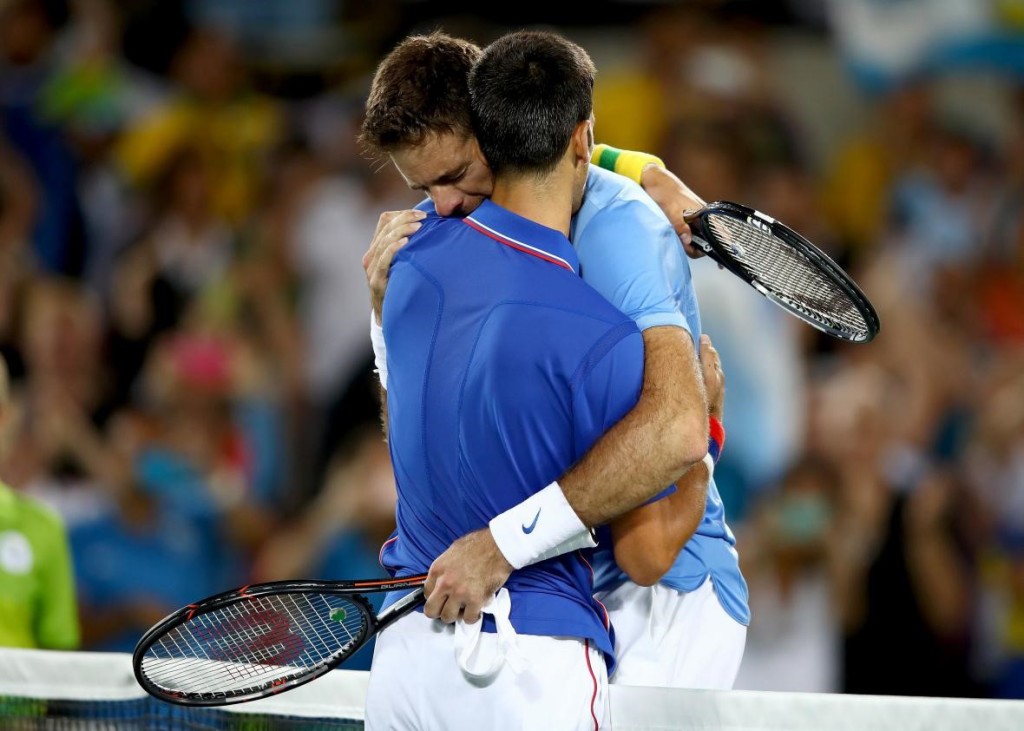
(524, 235)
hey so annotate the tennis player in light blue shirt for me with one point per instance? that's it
(688, 630)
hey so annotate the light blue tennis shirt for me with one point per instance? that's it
(629, 252)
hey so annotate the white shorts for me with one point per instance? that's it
(673, 639)
(416, 684)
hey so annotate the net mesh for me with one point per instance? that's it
(78, 691)
(789, 276)
(32, 714)
(84, 691)
(254, 643)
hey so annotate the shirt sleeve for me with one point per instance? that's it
(57, 622)
(632, 257)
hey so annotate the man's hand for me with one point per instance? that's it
(465, 577)
(714, 379)
(676, 199)
(393, 231)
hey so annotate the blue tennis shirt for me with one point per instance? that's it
(630, 253)
(504, 367)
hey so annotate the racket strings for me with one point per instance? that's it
(790, 276)
(258, 642)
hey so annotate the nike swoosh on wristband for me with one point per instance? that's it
(529, 528)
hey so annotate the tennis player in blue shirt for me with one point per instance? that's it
(702, 604)
(504, 368)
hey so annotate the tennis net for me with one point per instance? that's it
(79, 691)
(93, 691)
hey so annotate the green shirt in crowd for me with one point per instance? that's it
(37, 591)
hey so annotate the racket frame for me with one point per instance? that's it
(719, 252)
(353, 590)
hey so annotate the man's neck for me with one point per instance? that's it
(547, 200)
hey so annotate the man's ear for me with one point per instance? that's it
(478, 153)
(583, 141)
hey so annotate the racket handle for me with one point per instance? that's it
(400, 608)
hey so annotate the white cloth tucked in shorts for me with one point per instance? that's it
(416, 683)
(672, 639)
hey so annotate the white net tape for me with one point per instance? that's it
(108, 676)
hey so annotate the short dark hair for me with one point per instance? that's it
(529, 90)
(421, 87)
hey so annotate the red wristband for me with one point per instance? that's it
(716, 434)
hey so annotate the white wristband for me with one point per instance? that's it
(380, 359)
(541, 527)
(709, 462)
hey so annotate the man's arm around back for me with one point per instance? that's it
(647, 450)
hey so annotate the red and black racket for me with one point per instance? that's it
(263, 639)
(786, 268)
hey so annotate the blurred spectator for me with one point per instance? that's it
(1000, 282)
(184, 254)
(994, 461)
(906, 570)
(136, 561)
(791, 561)
(326, 219)
(710, 157)
(207, 448)
(17, 206)
(60, 452)
(61, 342)
(916, 586)
(648, 80)
(216, 112)
(861, 170)
(28, 60)
(939, 211)
(37, 591)
(340, 534)
(94, 96)
(719, 76)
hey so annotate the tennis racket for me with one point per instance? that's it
(262, 639)
(786, 268)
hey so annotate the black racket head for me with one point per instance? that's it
(250, 643)
(787, 269)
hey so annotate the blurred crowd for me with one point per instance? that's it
(183, 313)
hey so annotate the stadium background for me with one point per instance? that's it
(183, 210)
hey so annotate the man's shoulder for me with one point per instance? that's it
(608, 186)
(434, 231)
(612, 199)
(604, 185)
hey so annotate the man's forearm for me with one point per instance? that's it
(655, 443)
(647, 540)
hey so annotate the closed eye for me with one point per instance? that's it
(449, 178)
